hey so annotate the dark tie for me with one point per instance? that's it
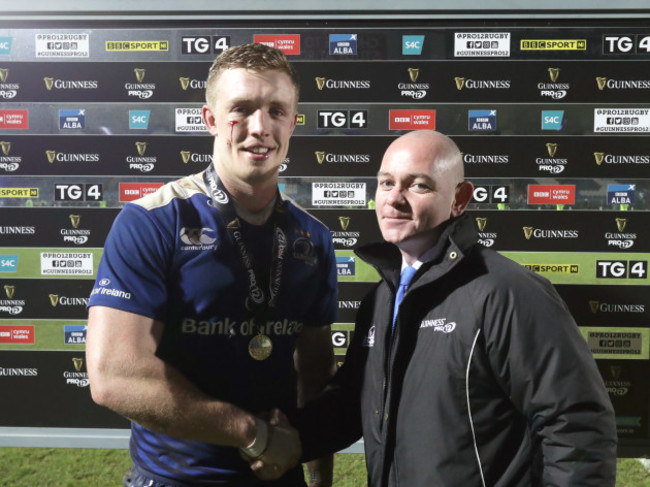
(404, 280)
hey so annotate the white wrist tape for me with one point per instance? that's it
(261, 441)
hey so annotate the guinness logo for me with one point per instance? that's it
(10, 291)
(601, 82)
(185, 155)
(528, 232)
(593, 306)
(54, 300)
(621, 223)
(75, 220)
(551, 148)
(481, 223)
(185, 83)
(51, 155)
(413, 74)
(615, 370)
(460, 82)
(553, 73)
(6, 147)
(78, 363)
(320, 156)
(345, 222)
(141, 148)
(139, 74)
(49, 83)
(4, 74)
(320, 83)
(600, 157)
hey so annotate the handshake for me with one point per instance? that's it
(276, 448)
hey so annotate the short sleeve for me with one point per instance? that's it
(132, 272)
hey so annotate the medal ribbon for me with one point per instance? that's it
(257, 302)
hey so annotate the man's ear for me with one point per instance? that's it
(462, 197)
(209, 120)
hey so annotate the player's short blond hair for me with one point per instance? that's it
(256, 57)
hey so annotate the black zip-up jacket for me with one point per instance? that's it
(486, 380)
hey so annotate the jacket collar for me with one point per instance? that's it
(455, 242)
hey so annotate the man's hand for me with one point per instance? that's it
(283, 451)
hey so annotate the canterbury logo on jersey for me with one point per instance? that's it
(439, 324)
(197, 238)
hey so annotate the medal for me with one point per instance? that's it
(258, 302)
(260, 347)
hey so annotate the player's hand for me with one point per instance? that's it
(283, 452)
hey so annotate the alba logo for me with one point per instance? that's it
(197, 236)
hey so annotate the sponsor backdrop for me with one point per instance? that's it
(554, 125)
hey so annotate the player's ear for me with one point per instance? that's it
(210, 120)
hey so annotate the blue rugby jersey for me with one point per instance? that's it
(168, 256)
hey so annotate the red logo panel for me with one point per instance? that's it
(14, 119)
(287, 43)
(17, 334)
(134, 191)
(412, 120)
(551, 194)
